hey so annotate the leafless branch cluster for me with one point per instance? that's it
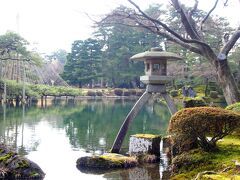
(194, 41)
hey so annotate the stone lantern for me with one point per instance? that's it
(155, 78)
(155, 65)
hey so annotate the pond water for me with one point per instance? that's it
(56, 135)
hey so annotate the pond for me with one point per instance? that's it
(56, 135)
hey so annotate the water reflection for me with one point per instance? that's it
(55, 135)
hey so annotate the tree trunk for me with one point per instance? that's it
(227, 83)
(206, 87)
(225, 77)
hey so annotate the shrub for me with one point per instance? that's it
(194, 102)
(99, 93)
(236, 108)
(195, 125)
(213, 94)
(126, 93)
(174, 93)
(91, 93)
(132, 92)
(118, 92)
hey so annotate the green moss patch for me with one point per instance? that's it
(4, 158)
(234, 107)
(146, 136)
(106, 161)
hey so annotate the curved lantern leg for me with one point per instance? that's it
(170, 103)
(131, 115)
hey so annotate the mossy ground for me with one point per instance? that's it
(200, 92)
(221, 161)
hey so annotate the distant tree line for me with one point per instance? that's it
(104, 59)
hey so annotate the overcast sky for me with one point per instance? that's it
(54, 24)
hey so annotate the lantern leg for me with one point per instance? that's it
(170, 103)
(131, 115)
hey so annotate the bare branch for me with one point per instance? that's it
(155, 21)
(14, 59)
(194, 8)
(173, 39)
(186, 20)
(225, 3)
(208, 14)
(229, 45)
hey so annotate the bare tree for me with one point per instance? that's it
(193, 40)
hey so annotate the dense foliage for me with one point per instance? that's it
(201, 125)
(14, 89)
(104, 60)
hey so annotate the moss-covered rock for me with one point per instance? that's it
(174, 93)
(13, 166)
(213, 94)
(106, 161)
(193, 102)
(234, 107)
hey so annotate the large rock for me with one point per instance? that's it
(106, 161)
(13, 166)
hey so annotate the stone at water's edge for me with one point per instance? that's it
(167, 144)
(13, 166)
(106, 161)
(144, 144)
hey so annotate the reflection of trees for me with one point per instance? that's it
(14, 120)
(89, 124)
(101, 120)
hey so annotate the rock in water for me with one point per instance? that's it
(13, 166)
(106, 162)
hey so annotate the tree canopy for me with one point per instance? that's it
(196, 31)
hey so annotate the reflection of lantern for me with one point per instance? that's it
(155, 78)
(155, 65)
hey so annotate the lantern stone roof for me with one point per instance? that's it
(155, 54)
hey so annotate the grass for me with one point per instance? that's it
(221, 161)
